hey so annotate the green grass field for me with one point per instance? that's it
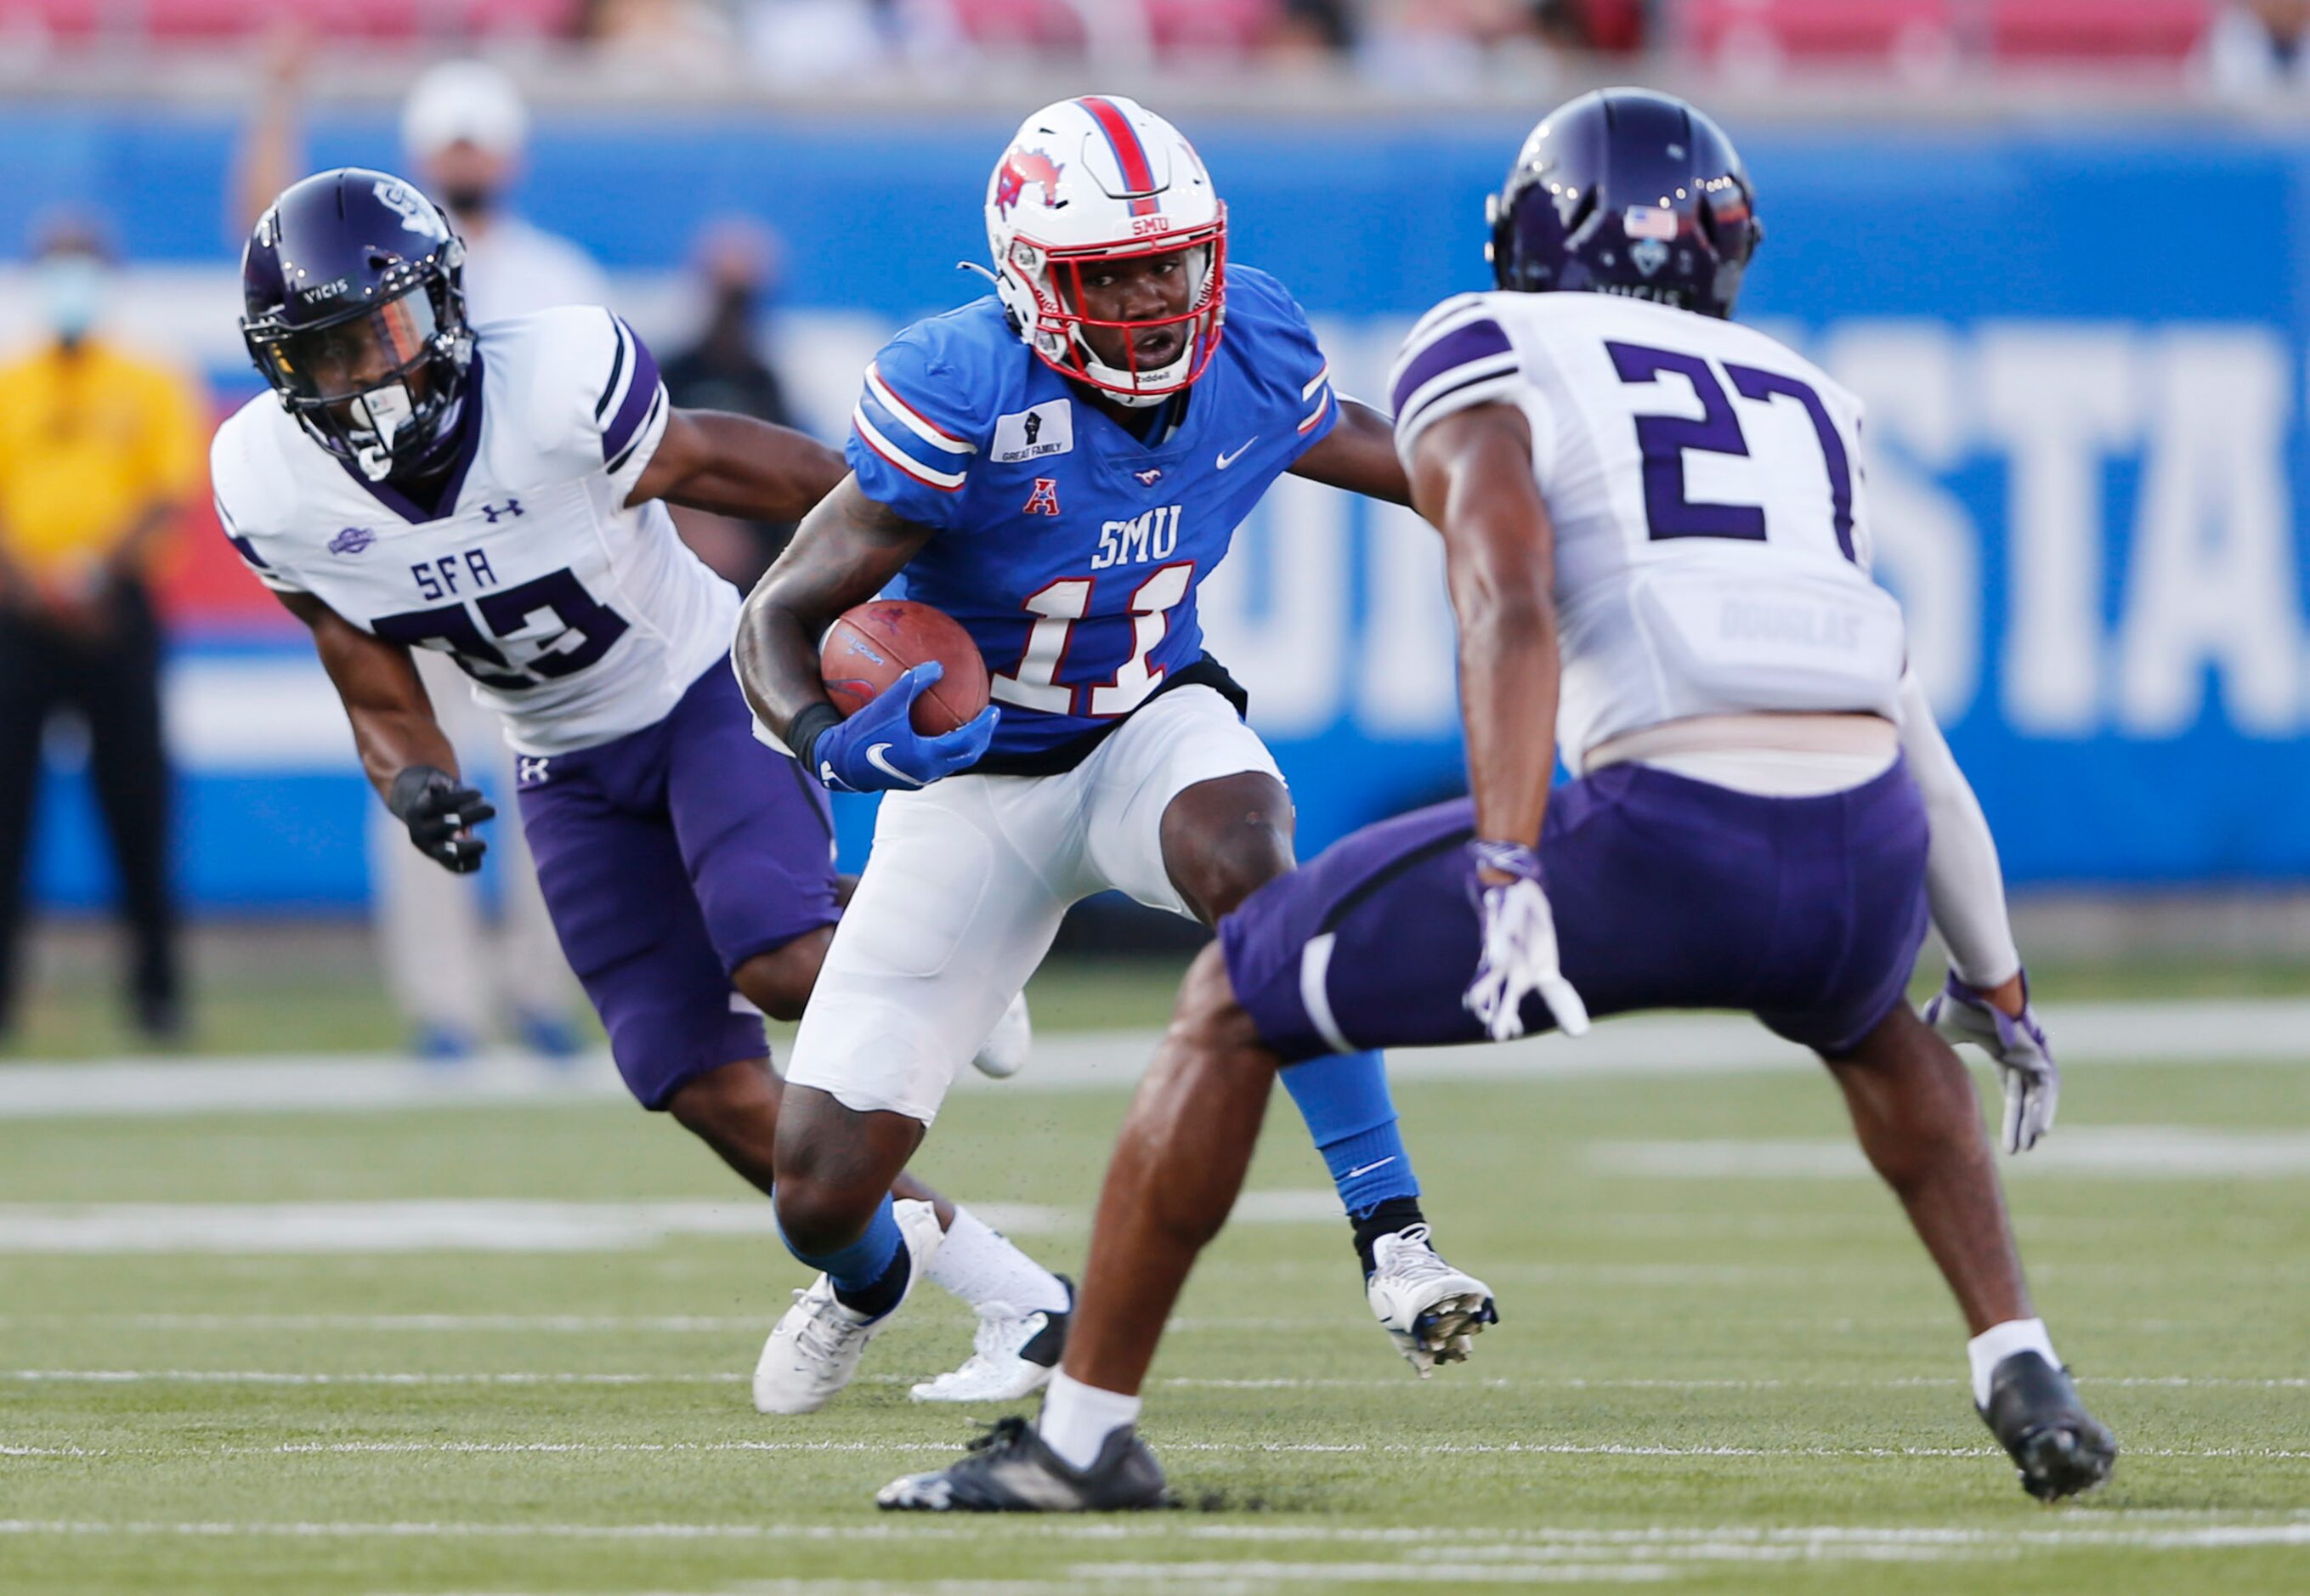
(1741, 1381)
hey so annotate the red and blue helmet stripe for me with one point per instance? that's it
(1130, 154)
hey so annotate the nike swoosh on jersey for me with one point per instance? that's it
(874, 758)
(1227, 459)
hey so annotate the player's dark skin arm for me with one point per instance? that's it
(844, 552)
(392, 717)
(735, 466)
(1472, 477)
(1359, 456)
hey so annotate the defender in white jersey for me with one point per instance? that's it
(1658, 557)
(498, 494)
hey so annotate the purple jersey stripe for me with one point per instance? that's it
(1469, 341)
(639, 392)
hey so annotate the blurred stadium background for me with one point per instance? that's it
(2063, 248)
(294, 1325)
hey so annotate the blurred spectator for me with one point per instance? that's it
(686, 35)
(464, 128)
(738, 262)
(99, 449)
(2259, 47)
(1312, 28)
(1439, 45)
(1607, 26)
(807, 41)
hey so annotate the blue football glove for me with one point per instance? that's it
(879, 750)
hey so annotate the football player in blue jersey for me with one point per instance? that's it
(1765, 816)
(1057, 465)
(498, 493)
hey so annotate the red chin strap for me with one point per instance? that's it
(1201, 322)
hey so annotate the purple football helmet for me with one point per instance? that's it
(1624, 191)
(352, 290)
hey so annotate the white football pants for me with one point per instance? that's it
(966, 887)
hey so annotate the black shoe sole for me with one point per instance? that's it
(2062, 1459)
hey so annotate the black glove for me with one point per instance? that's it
(439, 810)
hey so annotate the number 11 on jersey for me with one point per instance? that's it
(1058, 607)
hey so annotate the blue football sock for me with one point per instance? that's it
(1343, 1099)
(865, 1265)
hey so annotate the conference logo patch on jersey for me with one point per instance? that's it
(1048, 428)
(352, 540)
(1045, 499)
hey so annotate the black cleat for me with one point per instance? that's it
(1010, 1470)
(2035, 1414)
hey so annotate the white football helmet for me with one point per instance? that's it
(1102, 178)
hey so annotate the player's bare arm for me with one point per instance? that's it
(392, 717)
(1359, 456)
(735, 466)
(1472, 476)
(844, 552)
(403, 751)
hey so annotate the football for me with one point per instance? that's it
(868, 648)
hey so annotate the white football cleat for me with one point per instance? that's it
(815, 1349)
(1004, 1052)
(1015, 1356)
(1430, 1309)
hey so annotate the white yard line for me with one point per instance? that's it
(1248, 1448)
(295, 1377)
(1649, 1542)
(2229, 1030)
(2130, 1151)
(413, 1225)
(488, 1225)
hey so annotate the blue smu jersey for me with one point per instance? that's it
(1071, 550)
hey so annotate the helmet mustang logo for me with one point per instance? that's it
(1021, 168)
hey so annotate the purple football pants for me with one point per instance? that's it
(668, 858)
(1668, 894)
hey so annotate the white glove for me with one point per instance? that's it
(2025, 1060)
(1519, 955)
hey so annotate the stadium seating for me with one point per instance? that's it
(2015, 29)
(195, 21)
(1815, 30)
(2090, 30)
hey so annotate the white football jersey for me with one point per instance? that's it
(1704, 482)
(578, 619)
